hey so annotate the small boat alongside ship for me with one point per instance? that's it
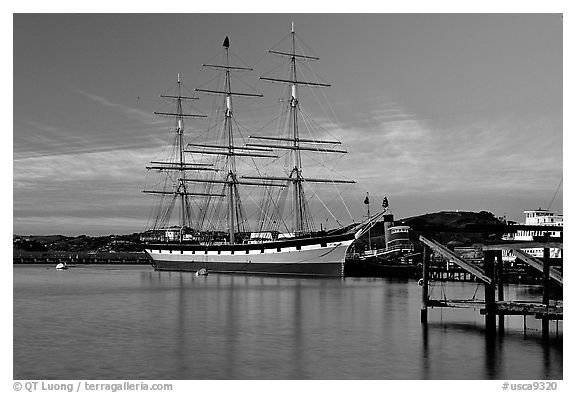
(207, 182)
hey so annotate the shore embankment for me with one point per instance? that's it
(80, 258)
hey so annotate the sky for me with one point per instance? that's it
(437, 111)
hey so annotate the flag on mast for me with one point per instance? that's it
(385, 203)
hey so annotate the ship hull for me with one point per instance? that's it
(320, 259)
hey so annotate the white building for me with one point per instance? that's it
(537, 217)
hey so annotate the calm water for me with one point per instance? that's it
(129, 322)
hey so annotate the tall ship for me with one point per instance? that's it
(244, 200)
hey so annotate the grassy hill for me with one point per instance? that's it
(82, 243)
(451, 219)
(445, 219)
(131, 243)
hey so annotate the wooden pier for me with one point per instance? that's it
(491, 273)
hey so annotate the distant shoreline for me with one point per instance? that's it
(79, 258)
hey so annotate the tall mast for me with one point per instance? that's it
(296, 171)
(300, 214)
(367, 202)
(178, 162)
(231, 180)
(182, 185)
(230, 157)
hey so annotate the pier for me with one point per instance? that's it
(491, 273)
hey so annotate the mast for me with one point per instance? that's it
(367, 202)
(182, 185)
(229, 150)
(299, 206)
(296, 171)
(178, 163)
(231, 159)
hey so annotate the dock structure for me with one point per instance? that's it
(491, 274)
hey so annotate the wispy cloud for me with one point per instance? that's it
(127, 128)
(134, 113)
(81, 191)
(81, 167)
(396, 150)
(97, 174)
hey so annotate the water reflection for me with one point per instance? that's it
(491, 355)
(171, 325)
(231, 331)
(298, 371)
(425, 353)
(514, 353)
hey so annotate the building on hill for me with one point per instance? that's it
(537, 217)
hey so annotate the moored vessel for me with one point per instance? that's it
(209, 182)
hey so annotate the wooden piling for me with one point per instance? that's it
(489, 298)
(492, 275)
(425, 265)
(500, 274)
(545, 290)
(524, 316)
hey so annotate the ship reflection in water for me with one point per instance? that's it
(134, 323)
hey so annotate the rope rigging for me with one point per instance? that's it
(207, 206)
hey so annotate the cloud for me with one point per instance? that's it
(134, 113)
(95, 173)
(41, 140)
(393, 152)
(125, 128)
(35, 139)
(396, 150)
(83, 167)
(90, 186)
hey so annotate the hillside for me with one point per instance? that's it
(131, 243)
(451, 219)
(82, 243)
(446, 219)
(454, 219)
